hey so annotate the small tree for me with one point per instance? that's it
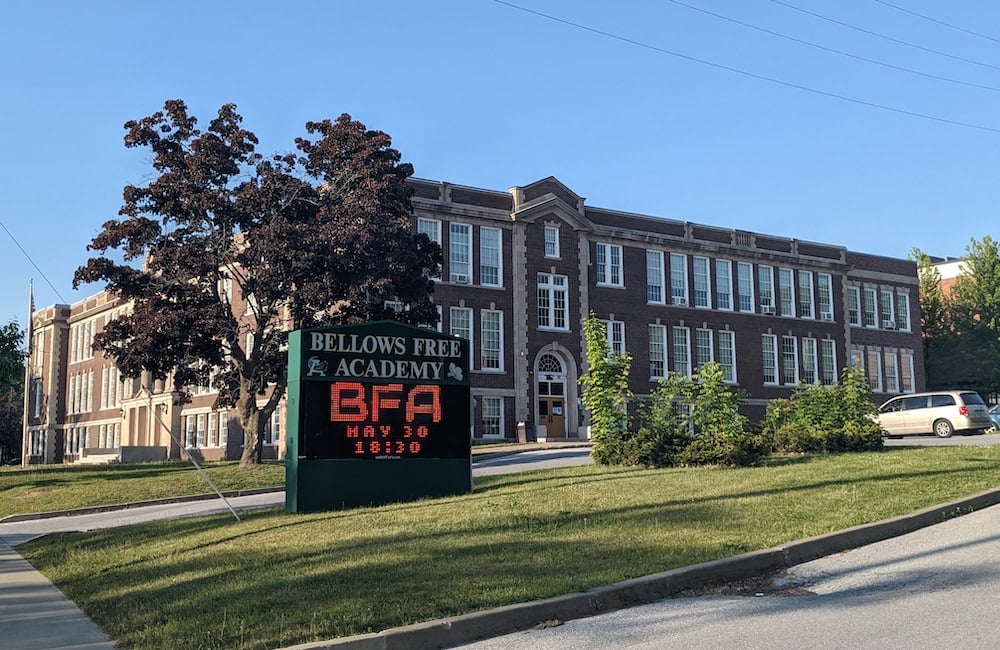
(826, 418)
(11, 390)
(313, 239)
(605, 394)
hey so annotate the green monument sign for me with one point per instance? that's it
(377, 413)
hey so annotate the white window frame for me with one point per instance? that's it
(608, 262)
(553, 289)
(828, 362)
(869, 308)
(854, 317)
(789, 360)
(681, 348)
(724, 285)
(490, 257)
(890, 365)
(431, 228)
(658, 351)
(727, 355)
(654, 278)
(678, 280)
(769, 359)
(887, 313)
(495, 414)
(704, 347)
(903, 311)
(824, 296)
(906, 378)
(806, 295)
(615, 332)
(460, 312)
(552, 242)
(810, 361)
(491, 356)
(702, 279)
(786, 291)
(745, 288)
(765, 289)
(460, 252)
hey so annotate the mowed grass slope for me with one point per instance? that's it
(276, 579)
(46, 488)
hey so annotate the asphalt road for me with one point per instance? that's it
(934, 588)
(930, 440)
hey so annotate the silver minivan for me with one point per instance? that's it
(940, 412)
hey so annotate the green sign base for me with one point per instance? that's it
(335, 484)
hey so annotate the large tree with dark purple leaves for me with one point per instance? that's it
(224, 251)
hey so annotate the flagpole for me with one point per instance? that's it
(29, 336)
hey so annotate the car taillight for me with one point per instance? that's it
(963, 410)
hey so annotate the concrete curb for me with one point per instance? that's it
(450, 632)
(135, 504)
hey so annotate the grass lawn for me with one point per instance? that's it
(44, 488)
(276, 579)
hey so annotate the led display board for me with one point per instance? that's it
(377, 412)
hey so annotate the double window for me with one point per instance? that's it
(553, 303)
(609, 264)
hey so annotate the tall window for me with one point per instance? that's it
(806, 295)
(906, 372)
(727, 355)
(786, 292)
(723, 284)
(744, 286)
(903, 311)
(615, 330)
(678, 279)
(553, 306)
(702, 283)
(492, 339)
(874, 367)
(460, 323)
(789, 360)
(858, 357)
(460, 253)
(490, 256)
(769, 356)
(869, 308)
(703, 348)
(431, 228)
(853, 306)
(888, 316)
(657, 351)
(891, 373)
(492, 410)
(765, 288)
(551, 241)
(824, 296)
(609, 264)
(654, 277)
(682, 351)
(828, 361)
(810, 362)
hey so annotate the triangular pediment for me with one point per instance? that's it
(549, 198)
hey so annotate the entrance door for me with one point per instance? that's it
(552, 413)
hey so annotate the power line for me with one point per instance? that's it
(28, 257)
(883, 36)
(939, 22)
(746, 73)
(835, 51)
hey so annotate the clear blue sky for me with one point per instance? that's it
(657, 115)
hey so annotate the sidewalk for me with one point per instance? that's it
(34, 615)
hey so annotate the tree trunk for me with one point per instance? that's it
(253, 427)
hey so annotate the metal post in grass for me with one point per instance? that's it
(190, 456)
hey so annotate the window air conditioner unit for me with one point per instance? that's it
(460, 278)
(679, 300)
(888, 324)
(767, 309)
(826, 316)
